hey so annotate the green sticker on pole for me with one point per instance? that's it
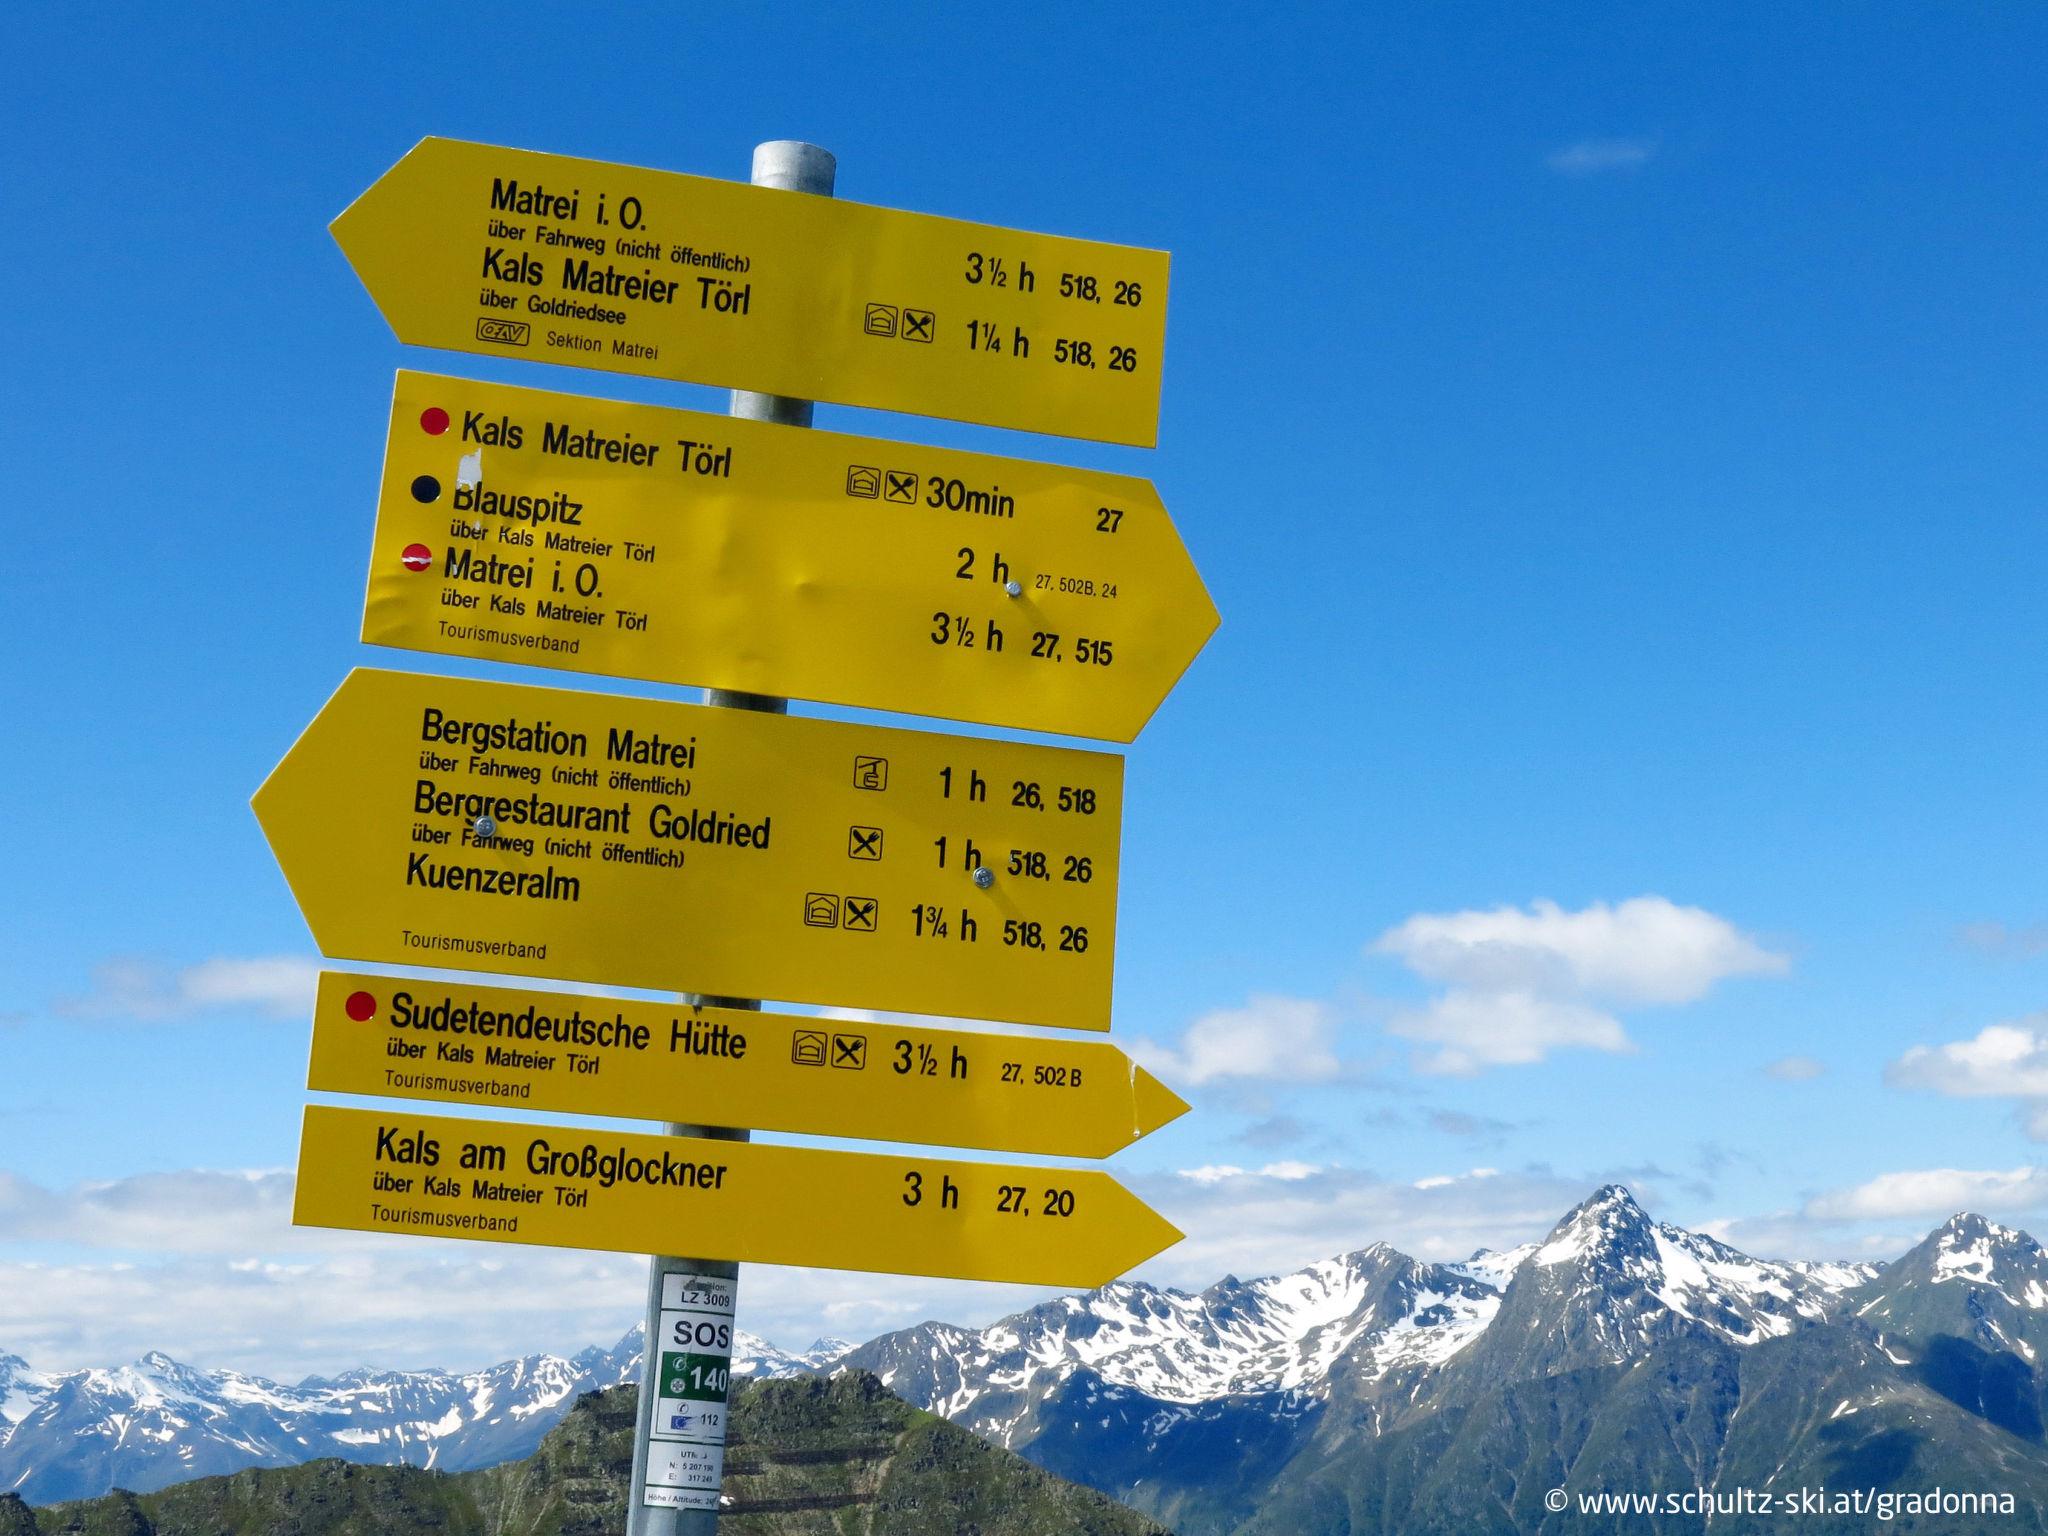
(697, 1378)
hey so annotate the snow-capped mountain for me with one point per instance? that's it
(1609, 1278)
(758, 1360)
(1378, 1309)
(1608, 1283)
(1630, 1354)
(141, 1426)
(1972, 1282)
(1190, 1405)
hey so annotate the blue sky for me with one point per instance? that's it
(1612, 438)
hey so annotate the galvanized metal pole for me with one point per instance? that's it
(791, 166)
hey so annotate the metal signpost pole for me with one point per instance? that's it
(791, 166)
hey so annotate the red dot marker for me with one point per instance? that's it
(417, 557)
(361, 1007)
(433, 421)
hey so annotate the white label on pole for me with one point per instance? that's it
(693, 1371)
(683, 1476)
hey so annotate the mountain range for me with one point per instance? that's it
(1368, 1392)
(1375, 1392)
(153, 1423)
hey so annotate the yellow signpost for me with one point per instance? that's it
(457, 1042)
(639, 541)
(736, 852)
(488, 826)
(370, 1170)
(510, 253)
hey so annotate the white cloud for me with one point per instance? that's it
(1215, 1173)
(408, 1304)
(1933, 1193)
(1645, 950)
(1789, 1234)
(185, 1211)
(1795, 1069)
(2001, 1061)
(1592, 157)
(277, 986)
(1276, 1219)
(1281, 1039)
(1288, 1168)
(1475, 1030)
(1212, 1173)
(1523, 983)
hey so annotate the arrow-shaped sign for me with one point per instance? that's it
(461, 1043)
(542, 832)
(515, 254)
(571, 1187)
(638, 541)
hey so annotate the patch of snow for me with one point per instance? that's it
(1493, 1268)
(1972, 1263)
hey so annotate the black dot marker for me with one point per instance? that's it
(426, 488)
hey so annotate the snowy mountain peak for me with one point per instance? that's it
(1970, 1278)
(1606, 1221)
(1608, 1282)
(1968, 1247)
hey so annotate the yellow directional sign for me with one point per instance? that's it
(571, 1187)
(516, 254)
(486, 826)
(638, 541)
(462, 1043)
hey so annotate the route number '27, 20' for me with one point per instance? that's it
(1011, 1199)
